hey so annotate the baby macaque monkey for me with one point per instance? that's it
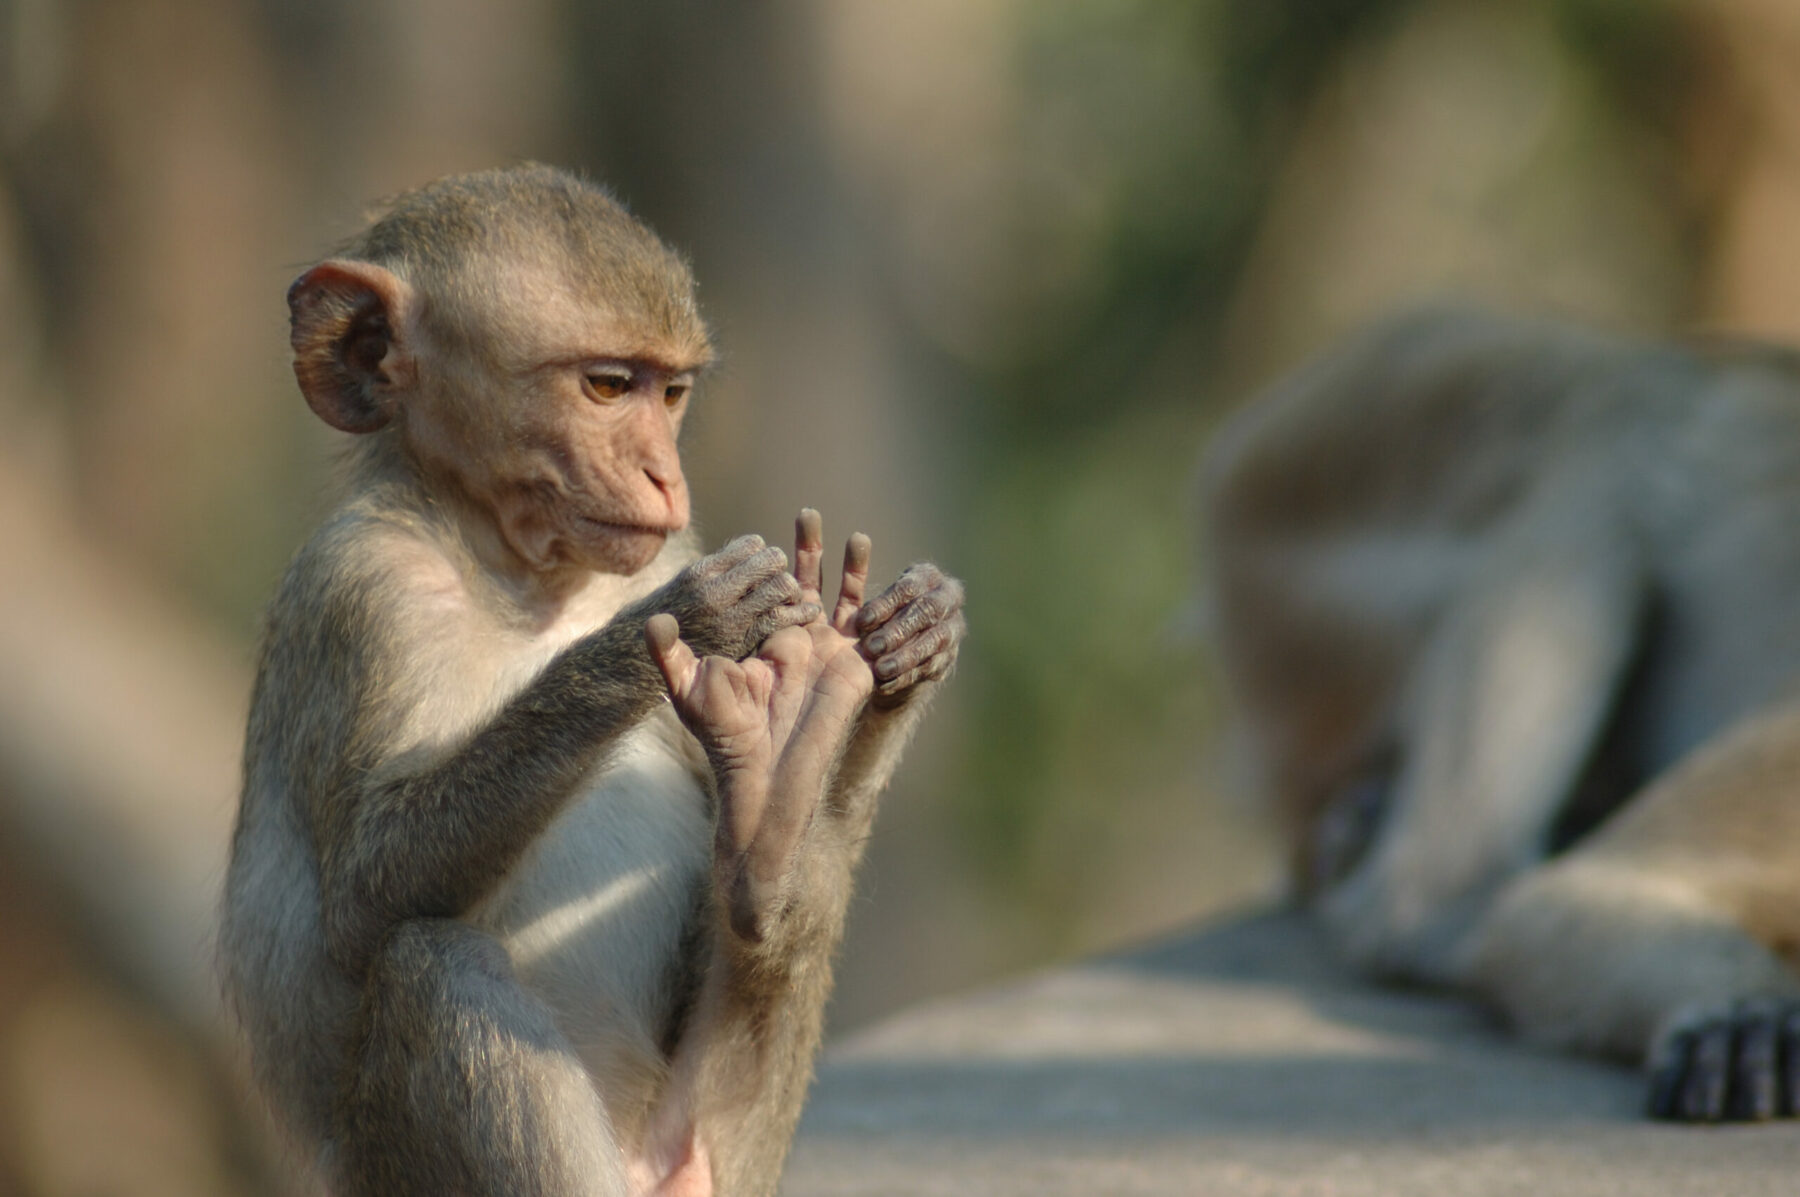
(1511, 616)
(549, 822)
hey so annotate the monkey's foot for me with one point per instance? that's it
(1732, 1063)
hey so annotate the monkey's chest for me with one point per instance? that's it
(598, 913)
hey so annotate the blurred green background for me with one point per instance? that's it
(985, 274)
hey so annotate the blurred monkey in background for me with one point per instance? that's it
(1510, 616)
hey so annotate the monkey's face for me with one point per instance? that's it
(573, 453)
(604, 482)
(573, 401)
(550, 404)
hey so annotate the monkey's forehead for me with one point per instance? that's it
(549, 305)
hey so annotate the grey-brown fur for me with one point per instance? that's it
(1511, 616)
(472, 920)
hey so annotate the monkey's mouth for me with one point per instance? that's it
(622, 529)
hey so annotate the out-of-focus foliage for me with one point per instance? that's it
(1151, 130)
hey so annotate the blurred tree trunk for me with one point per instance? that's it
(120, 726)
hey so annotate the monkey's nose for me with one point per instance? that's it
(673, 491)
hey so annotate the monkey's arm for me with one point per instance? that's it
(1503, 709)
(401, 842)
(1668, 936)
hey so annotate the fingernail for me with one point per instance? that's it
(878, 644)
(887, 668)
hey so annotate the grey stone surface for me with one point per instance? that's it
(1240, 1061)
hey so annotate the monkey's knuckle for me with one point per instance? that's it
(939, 639)
(936, 606)
(923, 614)
(904, 682)
(762, 565)
(914, 654)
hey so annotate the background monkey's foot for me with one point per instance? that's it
(1729, 1063)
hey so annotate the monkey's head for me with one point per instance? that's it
(527, 347)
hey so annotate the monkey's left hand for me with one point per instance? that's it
(911, 631)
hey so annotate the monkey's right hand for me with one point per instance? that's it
(729, 603)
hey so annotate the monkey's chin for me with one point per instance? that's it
(620, 548)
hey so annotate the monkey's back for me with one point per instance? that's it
(1363, 495)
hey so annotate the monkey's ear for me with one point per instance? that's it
(348, 322)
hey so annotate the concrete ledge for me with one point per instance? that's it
(1240, 1061)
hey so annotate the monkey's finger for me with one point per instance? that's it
(759, 684)
(786, 651)
(936, 640)
(662, 636)
(878, 610)
(857, 551)
(935, 669)
(779, 602)
(809, 552)
(1754, 1064)
(761, 567)
(941, 606)
(788, 656)
(779, 590)
(1709, 1074)
(790, 615)
(1790, 1065)
(1668, 1069)
(735, 553)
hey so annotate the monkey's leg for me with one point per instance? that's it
(1502, 712)
(460, 1083)
(775, 729)
(1671, 934)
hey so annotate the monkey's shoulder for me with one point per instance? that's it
(354, 615)
(370, 586)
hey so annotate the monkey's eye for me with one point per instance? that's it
(675, 393)
(608, 386)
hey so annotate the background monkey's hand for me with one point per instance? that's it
(773, 727)
(729, 603)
